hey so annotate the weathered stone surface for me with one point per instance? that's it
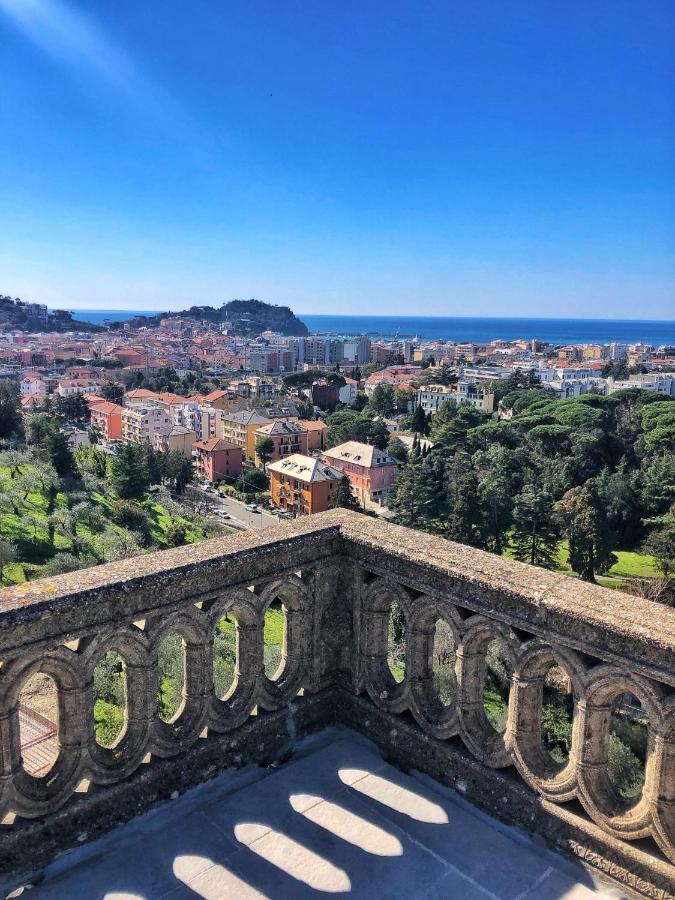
(336, 575)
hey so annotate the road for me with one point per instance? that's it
(242, 516)
(239, 513)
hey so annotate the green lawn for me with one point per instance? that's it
(628, 565)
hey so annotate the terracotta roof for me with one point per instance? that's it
(141, 394)
(215, 443)
(105, 406)
(168, 397)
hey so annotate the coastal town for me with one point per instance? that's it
(337, 451)
(264, 405)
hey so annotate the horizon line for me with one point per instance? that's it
(156, 312)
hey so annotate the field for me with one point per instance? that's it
(628, 565)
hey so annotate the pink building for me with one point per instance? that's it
(371, 471)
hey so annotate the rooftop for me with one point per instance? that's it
(336, 819)
(362, 454)
(305, 468)
(215, 443)
(281, 427)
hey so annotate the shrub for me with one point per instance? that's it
(129, 515)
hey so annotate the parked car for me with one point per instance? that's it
(223, 514)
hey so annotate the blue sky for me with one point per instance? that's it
(439, 158)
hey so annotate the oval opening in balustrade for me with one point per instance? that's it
(110, 699)
(171, 671)
(273, 637)
(628, 739)
(497, 685)
(443, 663)
(224, 654)
(39, 724)
(557, 714)
(396, 641)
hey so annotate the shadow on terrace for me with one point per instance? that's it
(335, 820)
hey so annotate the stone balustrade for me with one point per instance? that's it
(337, 575)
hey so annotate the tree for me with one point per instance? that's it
(378, 435)
(660, 544)
(10, 409)
(419, 496)
(119, 545)
(450, 424)
(252, 481)
(383, 400)
(584, 523)
(534, 537)
(397, 449)
(344, 496)
(73, 409)
(130, 515)
(128, 475)
(419, 422)
(658, 485)
(264, 449)
(495, 499)
(177, 470)
(14, 460)
(91, 460)
(8, 554)
(619, 494)
(176, 534)
(112, 391)
(464, 513)
(43, 434)
(346, 425)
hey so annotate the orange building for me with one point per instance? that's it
(303, 484)
(216, 459)
(107, 418)
(316, 438)
(287, 437)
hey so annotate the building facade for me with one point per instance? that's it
(371, 472)
(216, 459)
(303, 484)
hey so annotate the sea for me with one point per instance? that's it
(459, 328)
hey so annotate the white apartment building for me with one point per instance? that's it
(477, 396)
(485, 373)
(662, 382)
(432, 396)
(68, 387)
(33, 385)
(145, 423)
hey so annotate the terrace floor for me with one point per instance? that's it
(335, 819)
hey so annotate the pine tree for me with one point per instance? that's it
(419, 498)
(584, 523)
(464, 517)
(344, 496)
(534, 537)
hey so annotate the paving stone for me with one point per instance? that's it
(337, 821)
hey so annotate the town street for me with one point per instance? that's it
(242, 516)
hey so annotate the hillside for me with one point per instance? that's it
(16, 314)
(244, 317)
